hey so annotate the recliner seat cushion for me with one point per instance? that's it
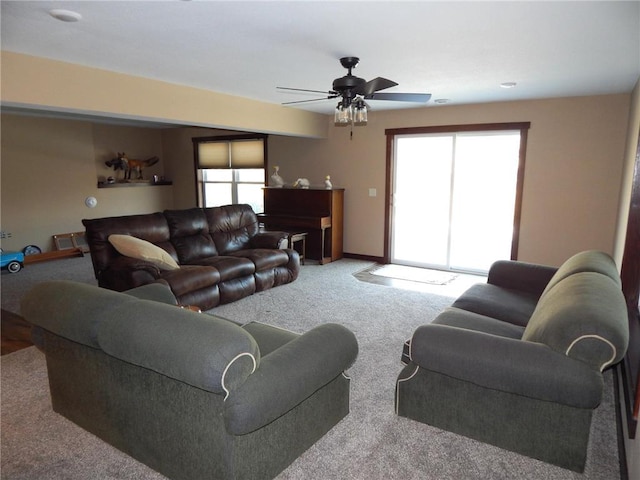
(264, 259)
(190, 278)
(229, 267)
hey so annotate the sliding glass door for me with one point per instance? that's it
(421, 200)
(454, 198)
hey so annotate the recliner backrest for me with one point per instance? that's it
(232, 226)
(190, 234)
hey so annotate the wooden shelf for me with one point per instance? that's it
(43, 257)
(148, 183)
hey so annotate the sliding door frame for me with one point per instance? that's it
(391, 133)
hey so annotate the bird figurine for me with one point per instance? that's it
(327, 182)
(276, 179)
(301, 183)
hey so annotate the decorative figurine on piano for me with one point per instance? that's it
(301, 183)
(276, 179)
(327, 182)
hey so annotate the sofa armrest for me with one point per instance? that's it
(123, 263)
(523, 368)
(158, 292)
(528, 277)
(270, 239)
(125, 273)
(288, 376)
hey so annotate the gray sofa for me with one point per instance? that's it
(191, 395)
(517, 362)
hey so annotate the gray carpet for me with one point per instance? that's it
(14, 285)
(370, 443)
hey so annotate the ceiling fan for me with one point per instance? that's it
(353, 91)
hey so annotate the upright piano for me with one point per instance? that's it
(319, 212)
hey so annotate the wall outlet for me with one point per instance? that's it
(373, 192)
(4, 234)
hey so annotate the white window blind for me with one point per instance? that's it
(231, 154)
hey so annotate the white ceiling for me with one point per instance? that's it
(459, 51)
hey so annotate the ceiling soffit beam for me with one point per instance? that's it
(44, 84)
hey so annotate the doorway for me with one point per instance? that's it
(455, 196)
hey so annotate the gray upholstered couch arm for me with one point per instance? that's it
(289, 375)
(515, 366)
(522, 276)
(158, 292)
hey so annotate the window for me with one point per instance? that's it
(231, 170)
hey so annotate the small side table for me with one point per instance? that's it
(296, 237)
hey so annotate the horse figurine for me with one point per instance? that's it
(127, 165)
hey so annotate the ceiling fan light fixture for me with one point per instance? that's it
(360, 113)
(343, 116)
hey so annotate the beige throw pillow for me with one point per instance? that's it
(141, 249)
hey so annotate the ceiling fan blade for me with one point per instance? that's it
(305, 90)
(375, 85)
(310, 100)
(400, 97)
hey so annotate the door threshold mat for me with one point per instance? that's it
(412, 274)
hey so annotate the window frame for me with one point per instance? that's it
(229, 139)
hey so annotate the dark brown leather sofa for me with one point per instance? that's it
(222, 253)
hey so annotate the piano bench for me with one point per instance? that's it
(295, 237)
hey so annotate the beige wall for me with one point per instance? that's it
(573, 171)
(49, 167)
